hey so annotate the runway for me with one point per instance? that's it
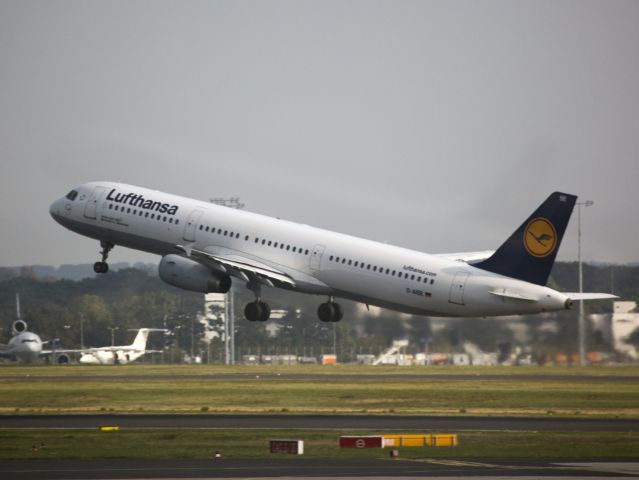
(311, 469)
(322, 422)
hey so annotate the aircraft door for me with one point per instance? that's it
(91, 207)
(316, 256)
(457, 288)
(191, 223)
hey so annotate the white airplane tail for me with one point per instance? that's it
(140, 339)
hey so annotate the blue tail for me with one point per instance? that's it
(530, 252)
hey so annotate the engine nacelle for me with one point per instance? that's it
(19, 326)
(62, 359)
(185, 273)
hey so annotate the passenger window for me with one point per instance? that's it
(368, 267)
(110, 206)
(246, 238)
(288, 247)
(201, 227)
(264, 241)
(432, 280)
(306, 252)
(356, 263)
(293, 249)
(350, 261)
(343, 260)
(281, 246)
(269, 243)
(128, 210)
(275, 245)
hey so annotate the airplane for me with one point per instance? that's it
(119, 355)
(26, 346)
(204, 246)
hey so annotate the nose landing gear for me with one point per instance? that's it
(103, 266)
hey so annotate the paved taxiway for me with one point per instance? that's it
(342, 422)
(290, 468)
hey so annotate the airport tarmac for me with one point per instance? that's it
(323, 422)
(315, 469)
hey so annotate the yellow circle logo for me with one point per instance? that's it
(540, 237)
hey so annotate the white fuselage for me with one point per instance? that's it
(24, 347)
(319, 261)
(118, 357)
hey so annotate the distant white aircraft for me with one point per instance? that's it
(119, 355)
(204, 245)
(26, 346)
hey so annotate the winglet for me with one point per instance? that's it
(530, 252)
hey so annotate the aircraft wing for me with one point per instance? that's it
(61, 350)
(239, 266)
(466, 257)
(589, 296)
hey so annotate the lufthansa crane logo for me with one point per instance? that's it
(540, 237)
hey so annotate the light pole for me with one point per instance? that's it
(81, 330)
(229, 303)
(113, 329)
(582, 329)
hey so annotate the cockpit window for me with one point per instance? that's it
(72, 194)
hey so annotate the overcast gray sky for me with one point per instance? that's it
(437, 126)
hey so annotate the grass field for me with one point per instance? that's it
(536, 391)
(192, 444)
(173, 389)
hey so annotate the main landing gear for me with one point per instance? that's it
(103, 266)
(330, 311)
(257, 311)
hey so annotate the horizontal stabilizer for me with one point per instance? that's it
(589, 296)
(512, 295)
(467, 257)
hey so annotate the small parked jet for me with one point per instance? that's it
(26, 346)
(203, 246)
(119, 355)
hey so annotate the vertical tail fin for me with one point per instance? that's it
(530, 252)
(140, 339)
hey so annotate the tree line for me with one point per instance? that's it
(132, 298)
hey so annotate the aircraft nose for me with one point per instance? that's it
(53, 209)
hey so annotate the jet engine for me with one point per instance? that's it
(62, 359)
(19, 326)
(187, 274)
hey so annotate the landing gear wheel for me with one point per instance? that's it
(339, 312)
(330, 312)
(103, 267)
(252, 311)
(265, 312)
(100, 267)
(257, 311)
